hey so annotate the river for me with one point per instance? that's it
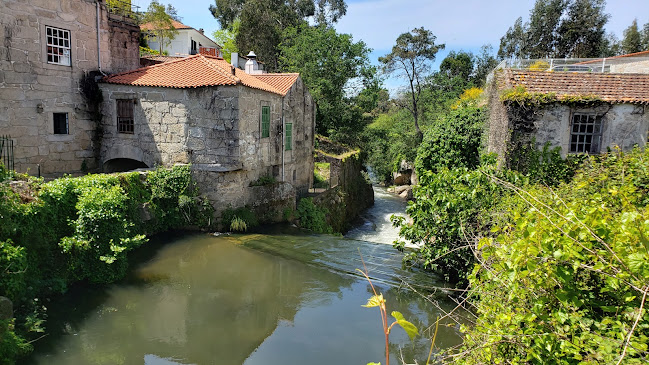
(281, 296)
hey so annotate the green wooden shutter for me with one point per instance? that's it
(265, 121)
(288, 142)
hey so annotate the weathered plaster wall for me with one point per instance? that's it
(498, 128)
(640, 66)
(31, 90)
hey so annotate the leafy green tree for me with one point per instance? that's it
(512, 44)
(458, 64)
(582, 31)
(264, 21)
(226, 38)
(632, 41)
(411, 60)
(645, 37)
(161, 22)
(327, 61)
(542, 34)
(485, 62)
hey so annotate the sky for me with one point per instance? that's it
(459, 24)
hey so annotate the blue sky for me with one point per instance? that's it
(460, 24)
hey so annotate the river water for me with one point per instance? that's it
(277, 297)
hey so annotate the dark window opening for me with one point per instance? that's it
(61, 123)
(585, 133)
(193, 50)
(125, 122)
(123, 165)
(294, 175)
(265, 121)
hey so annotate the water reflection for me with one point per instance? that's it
(253, 299)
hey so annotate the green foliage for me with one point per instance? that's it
(312, 217)
(567, 274)
(238, 225)
(13, 264)
(264, 181)
(321, 175)
(160, 19)
(546, 165)
(453, 142)
(226, 38)
(327, 61)
(12, 346)
(632, 41)
(446, 215)
(243, 214)
(71, 229)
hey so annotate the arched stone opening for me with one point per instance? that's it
(123, 165)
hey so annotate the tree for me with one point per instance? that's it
(411, 59)
(263, 21)
(226, 38)
(512, 44)
(485, 62)
(161, 22)
(327, 61)
(645, 37)
(632, 41)
(542, 31)
(458, 64)
(582, 31)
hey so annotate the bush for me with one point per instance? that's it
(312, 217)
(566, 276)
(243, 214)
(13, 264)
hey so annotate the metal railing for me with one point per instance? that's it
(7, 152)
(123, 9)
(606, 65)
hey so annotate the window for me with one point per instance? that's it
(58, 46)
(585, 133)
(288, 141)
(60, 123)
(265, 121)
(125, 122)
(193, 45)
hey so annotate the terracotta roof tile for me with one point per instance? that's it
(176, 24)
(162, 58)
(615, 88)
(196, 71)
(282, 82)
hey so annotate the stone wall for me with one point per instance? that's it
(639, 66)
(32, 90)
(498, 126)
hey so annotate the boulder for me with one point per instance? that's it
(401, 178)
(6, 308)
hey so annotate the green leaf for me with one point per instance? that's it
(374, 301)
(410, 328)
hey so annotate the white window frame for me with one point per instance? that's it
(58, 46)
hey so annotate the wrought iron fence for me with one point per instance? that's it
(7, 152)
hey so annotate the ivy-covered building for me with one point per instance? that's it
(578, 112)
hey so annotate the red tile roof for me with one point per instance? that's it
(198, 71)
(636, 54)
(176, 24)
(615, 88)
(282, 82)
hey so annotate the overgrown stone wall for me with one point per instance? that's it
(31, 89)
(353, 194)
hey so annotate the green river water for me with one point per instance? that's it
(278, 297)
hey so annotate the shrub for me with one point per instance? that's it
(567, 275)
(13, 264)
(243, 214)
(264, 181)
(312, 217)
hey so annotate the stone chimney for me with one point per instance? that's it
(252, 66)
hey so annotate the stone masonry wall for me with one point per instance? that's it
(31, 89)
(198, 126)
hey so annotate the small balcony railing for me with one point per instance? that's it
(123, 10)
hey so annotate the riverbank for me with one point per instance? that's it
(81, 229)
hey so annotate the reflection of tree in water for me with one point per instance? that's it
(209, 300)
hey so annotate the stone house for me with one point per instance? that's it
(188, 41)
(49, 57)
(581, 112)
(232, 126)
